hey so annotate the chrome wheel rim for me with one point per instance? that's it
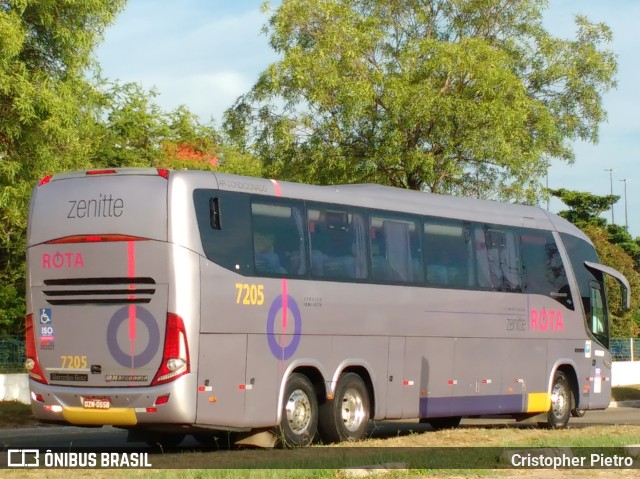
(298, 410)
(559, 400)
(353, 412)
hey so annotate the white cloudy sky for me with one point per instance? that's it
(206, 53)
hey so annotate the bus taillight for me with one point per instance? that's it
(109, 171)
(106, 238)
(175, 357)
(45, 180)
(32, 365)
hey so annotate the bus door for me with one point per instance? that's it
(598, 324)
(600, 366)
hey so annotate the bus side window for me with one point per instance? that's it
(543, 270)
(225, 228)
(395, 249)
(278, 239)
(337, 239)
(497, 259)
(597, 311)
(598, 321)
(447, 253)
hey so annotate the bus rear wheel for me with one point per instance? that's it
(560, 411)
(299, 422)
(345, 418)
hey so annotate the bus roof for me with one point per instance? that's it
(360, 195)
(395, 199)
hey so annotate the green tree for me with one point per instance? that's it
(239, 163)
(585, 208)
(620, 236)
(138, 132)
(134, 128)
(461, 96)
(45, 56)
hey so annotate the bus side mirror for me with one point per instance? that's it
(625, 289)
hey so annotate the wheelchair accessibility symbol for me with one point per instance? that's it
(45, 316)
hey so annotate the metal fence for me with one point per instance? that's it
(12, 354)
(625, 349)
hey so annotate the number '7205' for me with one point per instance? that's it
(73, 362)
(250, 294)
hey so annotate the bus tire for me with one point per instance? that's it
(345, 418)
(560, 411)
(576, 411)
(299, 422)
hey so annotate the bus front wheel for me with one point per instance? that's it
(560, 411)
(345, 418)
(299, 421)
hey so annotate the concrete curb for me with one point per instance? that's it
(631, 403)
(15, 387)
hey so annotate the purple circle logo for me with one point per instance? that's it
(277, 342)
(129, 360)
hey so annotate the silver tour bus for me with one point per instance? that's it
(189, 302)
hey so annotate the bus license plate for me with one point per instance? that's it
(96, 403)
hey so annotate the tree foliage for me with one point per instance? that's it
(57, 114)
(458, 96)
(138, 132)
(45, 51)
(585, 208)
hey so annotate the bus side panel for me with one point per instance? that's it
(524, 369)
(427, 369)
(477, 372)
(395, 373)
(221, 379)
(264, 375)
(600, 378)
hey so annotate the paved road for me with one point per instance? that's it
(68, 436)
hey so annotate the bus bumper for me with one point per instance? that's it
(172, 403)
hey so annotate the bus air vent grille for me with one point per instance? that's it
(115, 290)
